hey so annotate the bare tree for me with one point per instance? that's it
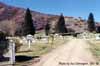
(12, 26)
(8, 26)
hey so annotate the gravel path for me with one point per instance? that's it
(73, 53)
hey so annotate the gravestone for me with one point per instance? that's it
(97, 36)
(24, 40)
(29, 40)
(45, 39)
(12, 51)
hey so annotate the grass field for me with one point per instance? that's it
(95, 48)
(40, 47)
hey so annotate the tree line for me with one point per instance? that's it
(28, 27)
(60, 27)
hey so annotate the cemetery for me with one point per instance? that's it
(34, 37)
(30, 47)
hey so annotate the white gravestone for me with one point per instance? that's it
(33, 40)
(97, 36)
(12, 51)
(29, 40)
(45, 40)
(24, 40)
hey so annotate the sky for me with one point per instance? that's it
(75, 8)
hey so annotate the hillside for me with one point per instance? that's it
(40, 19)
(17, 14)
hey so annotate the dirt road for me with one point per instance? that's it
(73, 53)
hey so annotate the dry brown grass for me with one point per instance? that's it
(95, 48)
(40, 47)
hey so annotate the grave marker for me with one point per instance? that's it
(97, 36)
(12, 51)
(29, 40)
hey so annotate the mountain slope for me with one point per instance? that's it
(17, 14)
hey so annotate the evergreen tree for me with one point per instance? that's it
(47, 28)
(60, 26)
(91, 23)
(28, 26)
